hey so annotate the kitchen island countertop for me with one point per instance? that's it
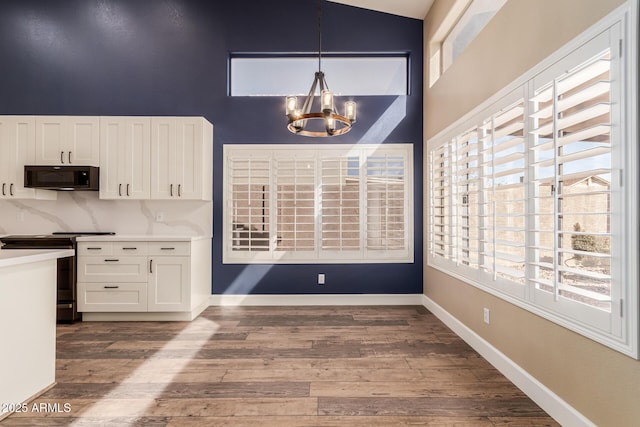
(25, 256)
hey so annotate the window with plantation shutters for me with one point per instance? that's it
(573, 186)
(318, 203)
(528, 195)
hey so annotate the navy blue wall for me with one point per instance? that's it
(169, 57)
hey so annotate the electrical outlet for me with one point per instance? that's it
(486, 316)
(321, 279)
(159, 216)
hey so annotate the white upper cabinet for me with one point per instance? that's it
(67, 140)
(17, 149)
(125, 157)
(181, 150)
(140, 158)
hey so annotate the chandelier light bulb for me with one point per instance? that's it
(292, 105)
(331, 124)
(350, 111)
(327, 101)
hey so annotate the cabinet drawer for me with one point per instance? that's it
(95, 248)
(170, 248)
(129, 248)
(118, 269)
(105, 297)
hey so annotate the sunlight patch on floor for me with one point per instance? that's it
(161, 368)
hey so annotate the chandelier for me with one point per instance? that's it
(326, 121)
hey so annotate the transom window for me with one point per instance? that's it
(463, 22)
(471, 22)
(347, 75)
(318, 203)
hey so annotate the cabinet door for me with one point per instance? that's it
(68, 140)
(82, 140)
(163, 158)
(125, 157)
(112, 146)
(169, 287)
(51, 148)
(176, 158)
(189, 153)
(17, 148)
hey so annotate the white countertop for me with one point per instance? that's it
(139, 238)
(9, 257)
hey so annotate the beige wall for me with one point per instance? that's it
(602, 384)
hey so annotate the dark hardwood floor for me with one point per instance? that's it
(277, 367)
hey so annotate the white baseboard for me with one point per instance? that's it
(550, 402)
(316, 299)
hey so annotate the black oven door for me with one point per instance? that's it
(67, 310)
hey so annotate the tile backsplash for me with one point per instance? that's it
(84, 211)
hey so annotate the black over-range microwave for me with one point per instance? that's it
(62, 177)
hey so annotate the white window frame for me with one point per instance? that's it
(622, 329)
(315, 155)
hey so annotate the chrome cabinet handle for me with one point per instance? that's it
(93, 249)
(171, 190)
(62, 157)
(111, 287)
(127, 189)
(179, 185)
(167, 249)
(69, 157)
(150, 266)
(120, 190)
(11, 189)
(111, 260)
(129, 249)
(4, 184)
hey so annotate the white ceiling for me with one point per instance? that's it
(410, 8)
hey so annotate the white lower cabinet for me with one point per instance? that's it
(168, 285)
(136, 277)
